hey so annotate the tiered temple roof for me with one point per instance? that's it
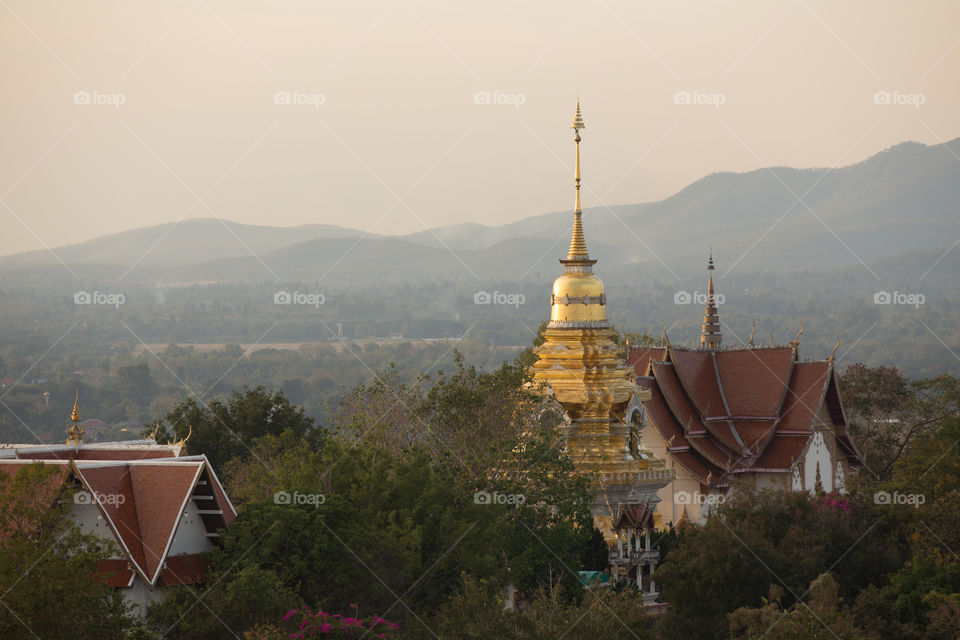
(741, 409)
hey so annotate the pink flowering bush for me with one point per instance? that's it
(334, 625)
(833, 500)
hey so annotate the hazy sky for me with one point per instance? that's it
(384, 131)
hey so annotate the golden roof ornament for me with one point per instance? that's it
(75, 432)
(833, 354)
(796, 341)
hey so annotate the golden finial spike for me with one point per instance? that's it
(578, 244)
(75, 414)
(753, 331)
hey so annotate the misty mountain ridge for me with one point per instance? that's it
(900, 200)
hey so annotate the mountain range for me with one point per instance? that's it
(902, 200)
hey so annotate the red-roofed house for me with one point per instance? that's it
(162, 509)
(754, 415)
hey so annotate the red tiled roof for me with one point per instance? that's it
(698, 375)
(153, 497)
(633, 516)
(782, 451)
(807, 386)
(187, 568)
(755, 398)
(755, 433)
(640, 357)
(116, 573)
(755, 380)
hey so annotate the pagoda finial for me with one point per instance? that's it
(75, 414)
(710, 337)
(75, 432)
(578, 244)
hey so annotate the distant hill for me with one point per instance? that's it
(904, 199)
(183, 243)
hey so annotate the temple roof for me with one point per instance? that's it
(734, 410)
(141, 490)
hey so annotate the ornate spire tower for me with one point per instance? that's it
(710, 337)
(581, 363)
(75, 432)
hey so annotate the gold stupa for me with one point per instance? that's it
(580, 362)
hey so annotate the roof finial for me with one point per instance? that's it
(753, 331)
(796, 341)
(834, 352)
(710, 337)
(578, 244)
(75, 432)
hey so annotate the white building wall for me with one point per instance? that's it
(190, 535)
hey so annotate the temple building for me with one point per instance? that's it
(162, 508)
(748, 415)
(580, 364)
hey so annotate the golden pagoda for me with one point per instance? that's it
(710, 336)
(581, 363)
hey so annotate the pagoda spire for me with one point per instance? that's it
(710, 337)
(75, 432)
(578, 244)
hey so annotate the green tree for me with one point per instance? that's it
(48, 570)
(225, 430)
